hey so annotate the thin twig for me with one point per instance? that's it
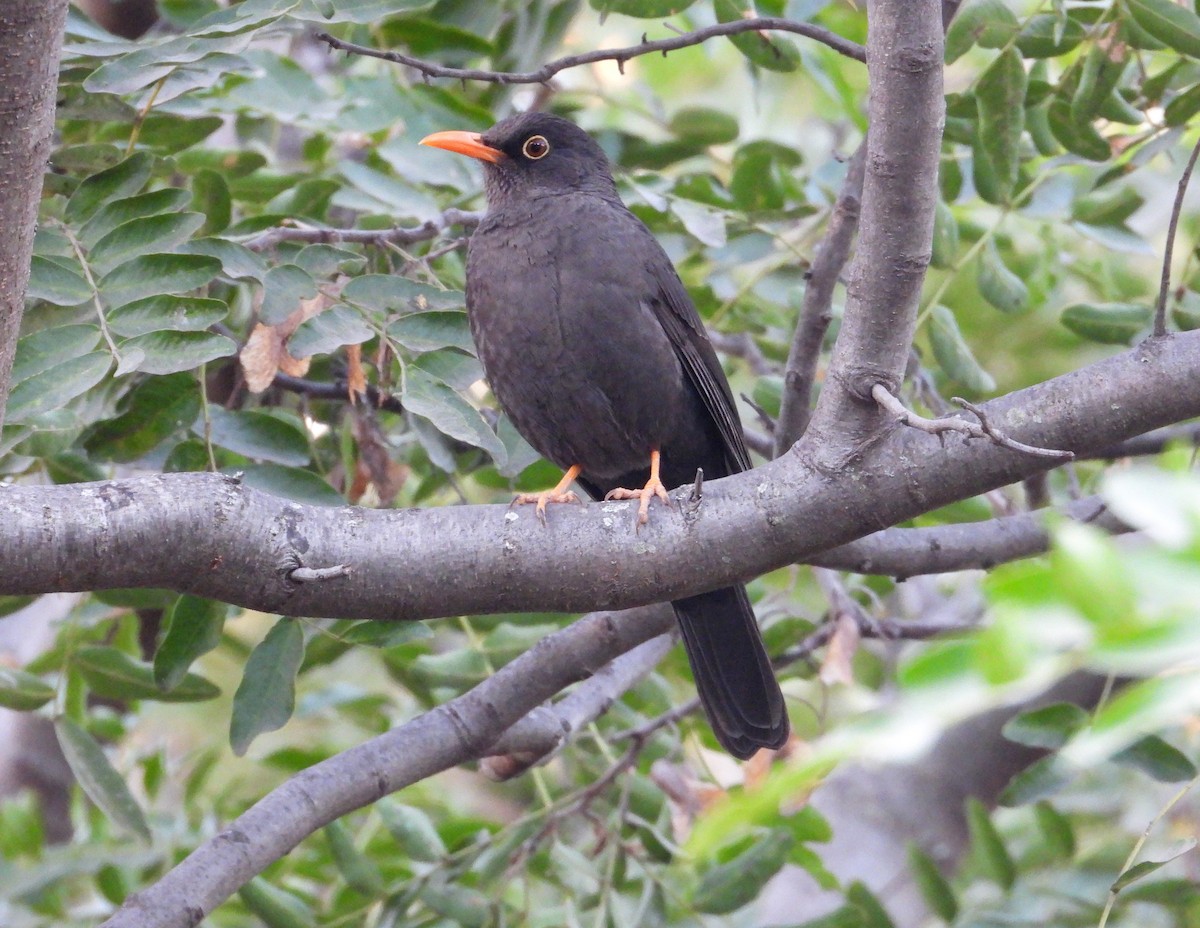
(396, 236)
(981, 429)
(619, 55)
(1160, 308)
(336, 390)
(816, 311)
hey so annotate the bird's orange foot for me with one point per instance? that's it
(560, 494)
(654, 487)
(543, 499)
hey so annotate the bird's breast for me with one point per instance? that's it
(563, 316)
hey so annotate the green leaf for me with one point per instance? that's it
(55, 283)
(643, 9)
(99, 779)
(266, 697)
(149, 234)
(704, 126)
(413, 830)
(121, 180)
(934, 887)
(292, 484)
(1044, 777)
(1158, 759)
(112, 673)
(1146, 867)
(1000, 286)
(1109, 323)
(1179, 893)
(237, 261)
(1102, 70)
(986, 23)
(54, 387)
(993, 856)
(194, 628)
(40, 351)
(1181, 109)
(210, 196)
(705, 225)
(119, 212)
(151, 275)
(23, 692)
(386, 293)
(166, 313)
(449, 412)
(954, 355)
(283, 289)
(462, 905)
(358, 870)
(763, 49)
(258, 435)
(1047, 727)
(1078, 138)
(1000, 98)
(1056, 827)
(170, 352)
(276, 907)
(326, 332)
(1176, 26)
(729, 886)
(154, 410)
(422, 332)
(1048, 36)
(945, 236)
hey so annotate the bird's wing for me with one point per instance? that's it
(680, 320)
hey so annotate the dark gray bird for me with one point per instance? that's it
(594, 350)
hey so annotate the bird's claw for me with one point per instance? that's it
(543, 499)
(654, 487)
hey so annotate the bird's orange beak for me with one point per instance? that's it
(465, 143)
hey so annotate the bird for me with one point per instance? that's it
(595, 351)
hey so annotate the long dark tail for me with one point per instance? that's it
(733, 673)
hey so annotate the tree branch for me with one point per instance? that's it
(910, 552)
(240, 545)
(904, 52)
(1160, 307)
(399, 235)
(454, 733)
(619, 55)
(539, 735)
(28, 84)
(816, 311)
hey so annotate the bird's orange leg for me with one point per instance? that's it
(560, 494)
(654, 487)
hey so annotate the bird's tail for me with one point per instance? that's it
(733, 673)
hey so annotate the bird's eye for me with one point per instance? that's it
(535, 147)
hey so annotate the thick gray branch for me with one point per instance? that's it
(904, 61)
(908, 552)
(211, 535)
(454, 733)
(33, 33)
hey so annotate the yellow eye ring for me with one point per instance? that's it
(535, 147)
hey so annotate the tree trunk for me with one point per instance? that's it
(33, 33)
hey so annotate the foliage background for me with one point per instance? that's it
(161, 300)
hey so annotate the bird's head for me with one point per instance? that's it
(532, 154)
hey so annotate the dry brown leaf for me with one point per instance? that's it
(356, 377)
(265, 352)
(839, 655)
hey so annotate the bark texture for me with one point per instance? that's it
(28, 81)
